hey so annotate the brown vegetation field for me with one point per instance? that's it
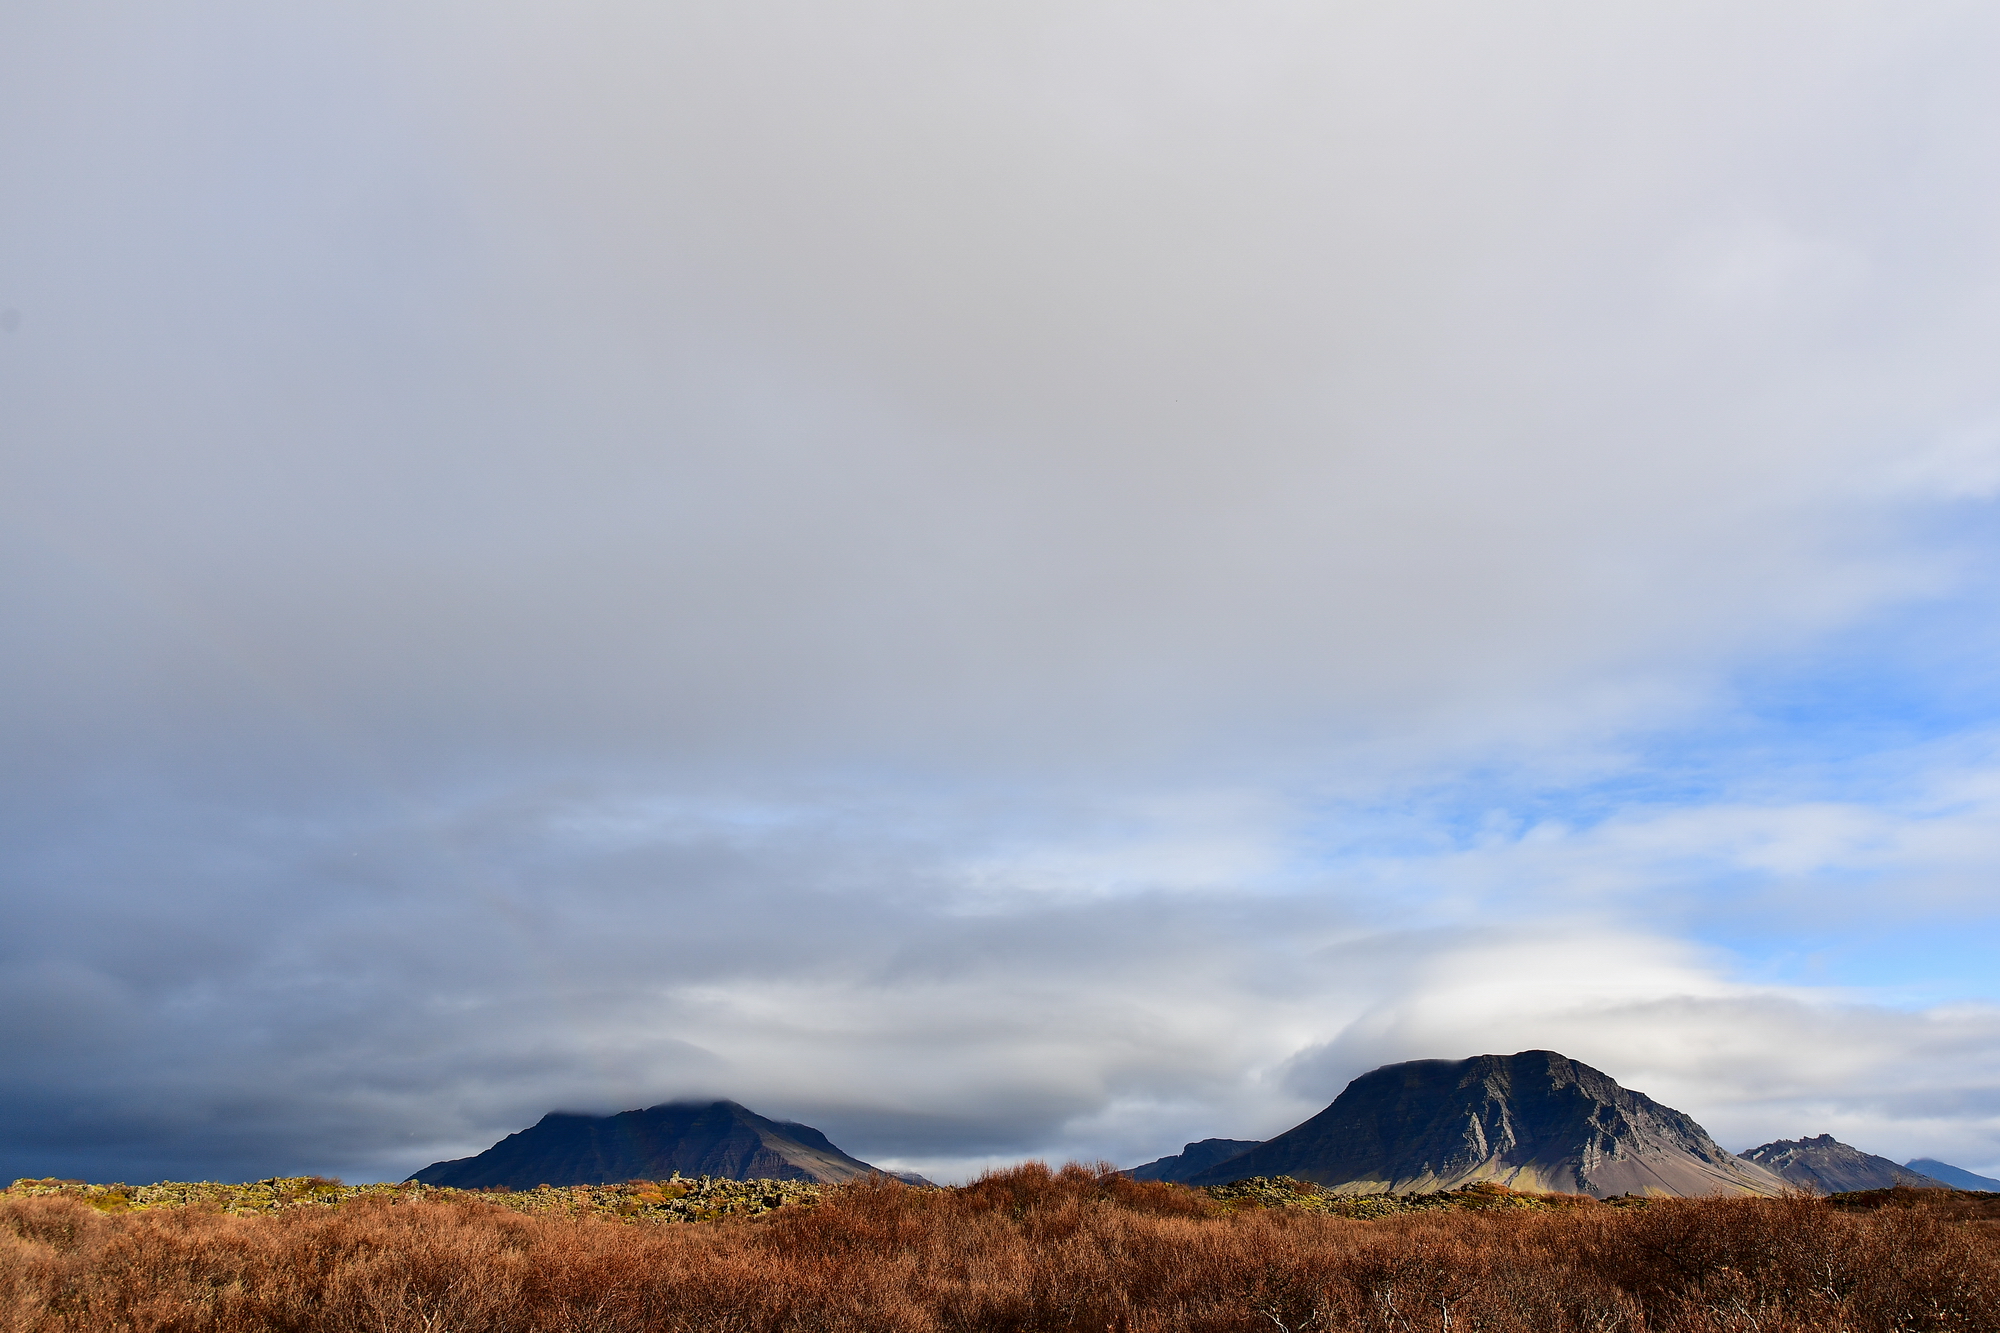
(1019, 1250)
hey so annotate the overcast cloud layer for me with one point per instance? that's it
(1029, 579)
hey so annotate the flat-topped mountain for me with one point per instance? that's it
(689, 1138)
(1534, 1120)
(1825, 1165)
(1193, 1159)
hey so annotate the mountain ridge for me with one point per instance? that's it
(1193, 1158)
(720, 1138)
(1825, 1165)
(1534, 1120)
(1955, 1176)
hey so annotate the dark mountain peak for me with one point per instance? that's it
(1193, 1158)
(1955, 1176)
(713, 1112)
(718, 1138)
(1534, 1120)
(805, 1134)
(1825, 1165)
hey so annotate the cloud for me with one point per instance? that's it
(1043, 580)
(826, 380)
(1754, 1063)
(931, 998)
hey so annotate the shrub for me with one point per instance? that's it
(1027, 1249)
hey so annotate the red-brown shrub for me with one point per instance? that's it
(1017, 1251)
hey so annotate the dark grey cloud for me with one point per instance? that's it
(927, 570)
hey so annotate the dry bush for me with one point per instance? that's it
(1028, 1250)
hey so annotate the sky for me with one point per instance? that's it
(1003, 580)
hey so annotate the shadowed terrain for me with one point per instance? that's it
(1535, 1120)
(674, 1138)
(1193, 1159)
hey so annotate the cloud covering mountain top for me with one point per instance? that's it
(1046, 579)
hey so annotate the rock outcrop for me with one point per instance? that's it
(675, 1138)
(1825, 1165)
(1193, 1159)
(1535, 1120)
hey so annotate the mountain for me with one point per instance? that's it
(1193, 1158)
(1955, 1176)
(691, 1138)
(1535, 1120)
(1827, 1166)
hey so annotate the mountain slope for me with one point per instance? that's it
(1534, 1120)
(1195, 1157)
(1827, 1166)
(691, 1138)
(1955, 1176)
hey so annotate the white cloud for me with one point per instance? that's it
(956, 571)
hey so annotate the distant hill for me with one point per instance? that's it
(689, 1138)
(1827, 1166)
(1194, 1158)
(1535, 1120)
(1955, 1176)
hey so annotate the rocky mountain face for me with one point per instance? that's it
(1193, 1159)
(1955, 1176)
(689, 1138)
(1534, 1120)
(1825, 1165)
